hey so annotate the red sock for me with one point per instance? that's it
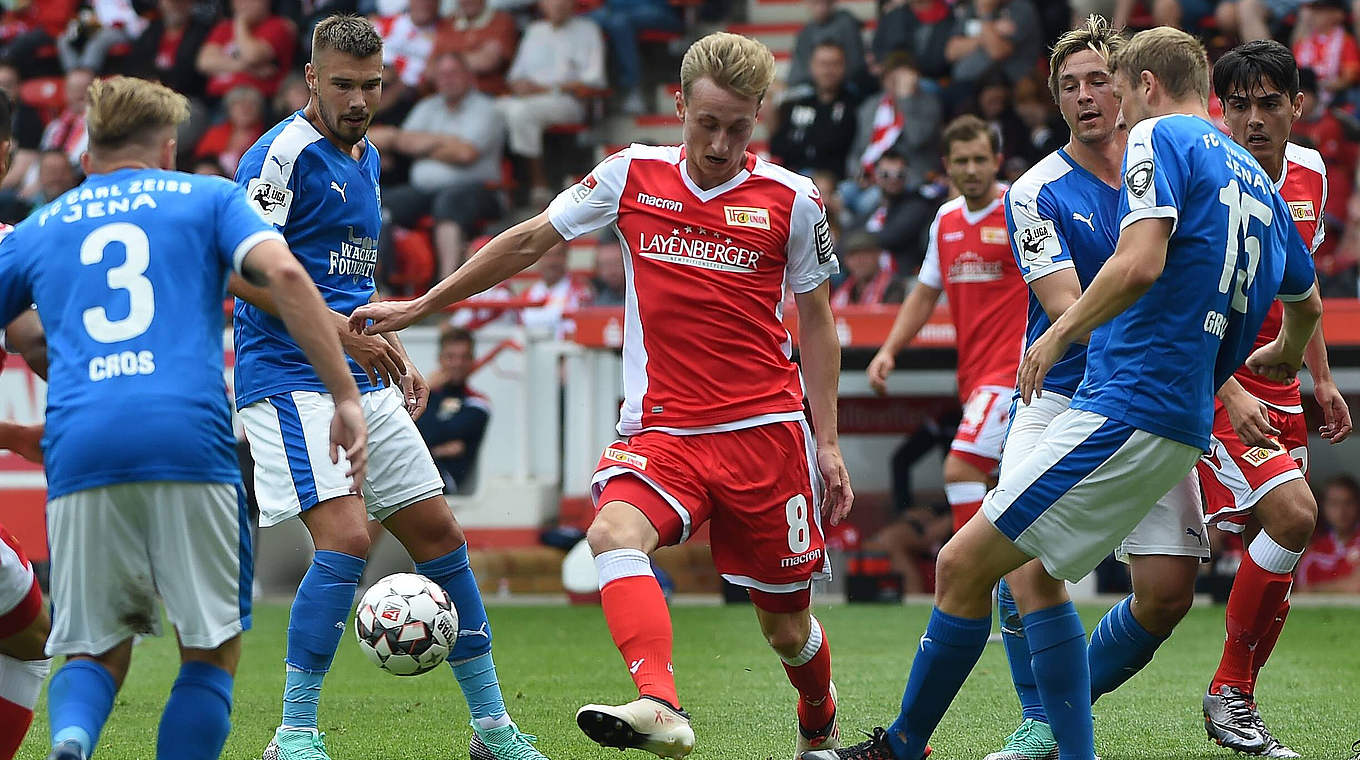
(1267, 643)
(640, 622)
(965, 499)
(1252, 606)
(14, 720)
(811, 676)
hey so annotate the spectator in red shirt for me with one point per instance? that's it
(251, 48)
(408, 39)
(1332, 562)
(486, 39)
(166, 51)
(66, 132)
(871, 280)
(31, 25)
(229, 139)
(1327, 47)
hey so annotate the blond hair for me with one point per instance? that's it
(125, 110)
(1095, 35)
(734, 62)
(1176, 58)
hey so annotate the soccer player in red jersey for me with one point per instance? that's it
(969, 258)
(1253, 474)
(712, 420)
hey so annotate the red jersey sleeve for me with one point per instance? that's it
(811, 252)
(593, 202)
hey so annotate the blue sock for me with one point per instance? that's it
(79, 700)
(1120, 647)
(315, 624)
(949, 650)
(197, 716)
(1017, 654)
(1056, 644)
(471, 655)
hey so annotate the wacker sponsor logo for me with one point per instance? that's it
(718, 254)
(357, 256)
(747, 216)
(801, 559)
(665, 203)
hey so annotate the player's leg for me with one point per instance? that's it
(406, 494)
(976, 451)
(801, 643)
(203, 564)
(24, 625)
(289, 436)
(102, 595)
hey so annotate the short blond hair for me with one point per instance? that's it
(734, 62)
(1175, 57)
(125, 110)
(1095, 35)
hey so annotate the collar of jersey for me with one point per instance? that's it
(1084, 172)
(705, 196)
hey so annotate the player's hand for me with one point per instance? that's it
(387, 316)
(1336, 414)
(880, 367)
(1251, 421)
(380, 359)
(415, 392)
(349, 436)
(26, 441)
(1038, 360)
(837, 499)
(1271, 362)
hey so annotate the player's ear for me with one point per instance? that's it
(168, 152)
(680, 104)
(309, 74)
(1298, 105)
(86, 165)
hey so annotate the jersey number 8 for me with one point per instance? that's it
(129, 276)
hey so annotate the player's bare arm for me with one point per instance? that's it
(912, 315)
(302, 309)
(820, 349)
(376, 356)
(507, 254)
(26, 338)
(1336, 415)
(415, 391)
(1137, 262)
(24, 440)
(1281, 358)
(1248, 416)
(1057, 292)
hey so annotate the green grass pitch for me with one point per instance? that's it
(553, 659)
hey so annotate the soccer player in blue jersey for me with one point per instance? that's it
(129, 271)
(1063, 216)
(1205, 245)
(315, 177)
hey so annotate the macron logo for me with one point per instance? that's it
(662, 203)
(340, 189)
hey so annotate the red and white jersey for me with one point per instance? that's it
(704, 344)
(968, 256)
(406, 47)
(1304, 187)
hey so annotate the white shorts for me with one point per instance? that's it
(289, 437)
(1173, 525)
(982, 431)
(1087, 483)
(115, 548)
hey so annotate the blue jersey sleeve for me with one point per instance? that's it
(1038, 247)
(1299, 274)
(267, 180)
(16, 289)
(1154, 176)
(240, 227)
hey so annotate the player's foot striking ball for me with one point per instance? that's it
(647, 723)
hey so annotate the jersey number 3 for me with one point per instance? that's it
(1242, 208)
(129, 276)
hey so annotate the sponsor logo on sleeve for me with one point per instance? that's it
(626, 457)
(582, 190)
(1038, 244)
(747, 216)
(1139, 177)
(1302, 211)
(270, 201)
(825, 247)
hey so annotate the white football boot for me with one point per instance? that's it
(647, 724)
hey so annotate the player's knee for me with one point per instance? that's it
(1163, 608)
(615, 529)
(958, 471)
(787, 640)
(355, 543)
(1293, 520)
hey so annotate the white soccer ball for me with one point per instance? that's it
(406, 624)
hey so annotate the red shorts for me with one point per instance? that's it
(982, 431)
(1235, 476)
(759, 486)
(20, 597)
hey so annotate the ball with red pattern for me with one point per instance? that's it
(406, 624)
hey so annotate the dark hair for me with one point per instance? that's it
(1253, 64)
(899, 59)
(1308, 81)
(829, 43)
(452, 335)
(968, 127)
(348, 34)
(6, 116)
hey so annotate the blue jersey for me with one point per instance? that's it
(327, 206)
(129, 273)
(1060, 216)
(1233, 249)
